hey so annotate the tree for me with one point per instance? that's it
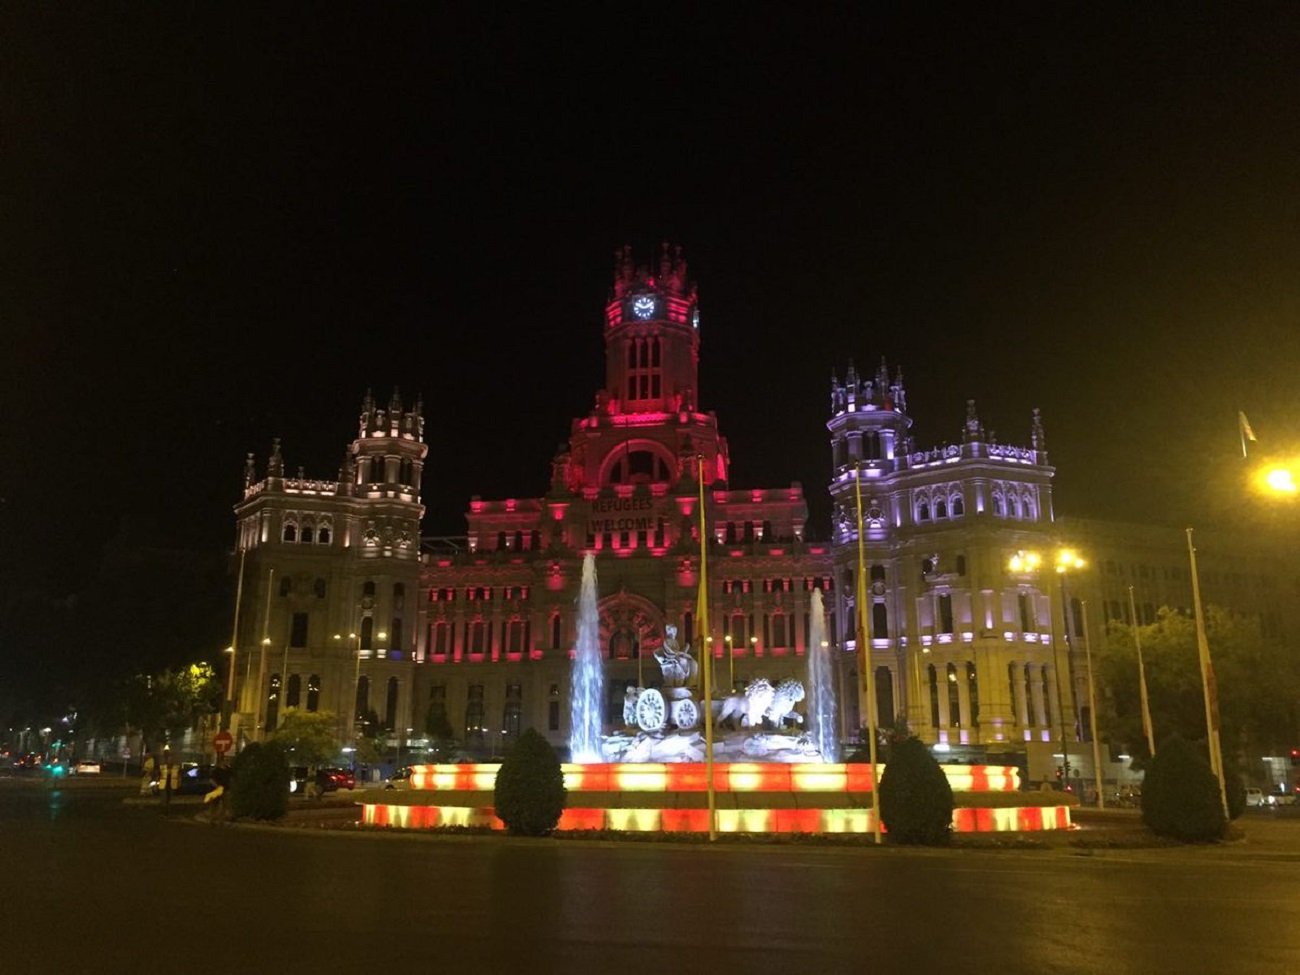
(915, 797)
(1180, 795)
(530, 793)
(442, 738)
(167, 704)
(1258, 682)
(308, 737)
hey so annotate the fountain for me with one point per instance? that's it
(588, 678)
(652, 775)
(821, 681)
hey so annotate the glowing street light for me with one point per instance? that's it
(1280, 480)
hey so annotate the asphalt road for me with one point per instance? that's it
(88, 884)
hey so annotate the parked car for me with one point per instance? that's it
(342, 778)
(195, 780)
(87, 766)
(1255, 797)
(401, 779)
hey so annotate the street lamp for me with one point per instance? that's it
(731, 665)
(1066, 562)
(1028, 562)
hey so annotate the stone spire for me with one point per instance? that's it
(974, 429)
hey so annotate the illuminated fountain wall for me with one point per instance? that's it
(588, 679)
(821, 684)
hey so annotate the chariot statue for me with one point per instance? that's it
(652, 711)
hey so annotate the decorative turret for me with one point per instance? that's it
(972, 430)
(868, 422)
(1037, 438)
(275, 465)
(652, 338)
(250, 472)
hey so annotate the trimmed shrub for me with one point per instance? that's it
(530, 793)
(1180, 795)
(259, 788)
(915, 797)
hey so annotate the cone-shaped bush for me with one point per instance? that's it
(915, 797)
(1180, 795)
(259, 788)
(530, 791)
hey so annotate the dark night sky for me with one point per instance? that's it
(221, 224)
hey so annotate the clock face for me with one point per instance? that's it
(695, 317)
(643, 307)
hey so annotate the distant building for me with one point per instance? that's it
(479, 629)
(330, 580)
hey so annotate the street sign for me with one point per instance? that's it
(222, 742)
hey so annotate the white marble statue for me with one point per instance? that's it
(678, 666)
(761, 700)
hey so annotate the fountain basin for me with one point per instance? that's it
(750, 798)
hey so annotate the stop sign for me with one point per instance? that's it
(222, 742)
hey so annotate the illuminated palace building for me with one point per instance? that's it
(339, 596)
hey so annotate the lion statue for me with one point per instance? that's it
(787, 694)
(761, 700)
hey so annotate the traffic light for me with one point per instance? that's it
(1060, 772)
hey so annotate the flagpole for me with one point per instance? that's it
(867, 685)
(1092, 712)
(706, 661)
(1207, 680)
(234, 645)
(1147, 728)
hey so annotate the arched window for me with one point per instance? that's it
(1011, 691)
(290, 532)
(940, 508)
(273, 703)
(958, 506)
(999, 506)
(1030, 508)
(512, 715)
(324, 535)
(934, 697)
(923, 511)
(884, 697)
(294, 692)
(1015, 506)
(390, 705)
(363, 699)
(367, 632)
(879, 621)
(954, 698)
(313, 692)
(945, 613)
(972, 683)
(308, 534)
(1029, 696)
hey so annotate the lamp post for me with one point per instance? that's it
(1067, 560)
(1092, 713)
(1029, 562)
(731, 665)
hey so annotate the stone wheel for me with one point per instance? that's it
(651, 711)
(686, 714)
